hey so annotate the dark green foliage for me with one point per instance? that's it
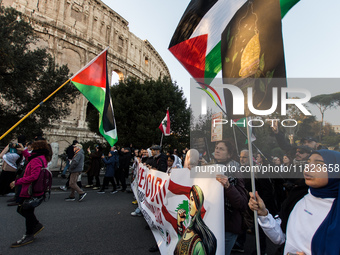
(139, 109)
(27, 77)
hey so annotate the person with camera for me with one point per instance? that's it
(38, 159)
(11, 158)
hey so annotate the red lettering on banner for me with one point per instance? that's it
(152, 187)
(141, 177)
(147, 181)
(162, 194)
(157, 189)
(158, 216)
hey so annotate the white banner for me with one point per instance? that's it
(185, 213)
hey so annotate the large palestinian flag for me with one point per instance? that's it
(205, 39)
(196, 42)
(92, 82)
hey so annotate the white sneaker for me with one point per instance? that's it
(136, 214)
(113, 192)
(63, 188)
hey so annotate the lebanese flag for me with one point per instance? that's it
(92, 82)
(165, 124)
(196, 42)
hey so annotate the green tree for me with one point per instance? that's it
(324, 102)
(140, 107)
(27, 77)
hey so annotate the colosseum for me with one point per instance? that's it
(74, 32)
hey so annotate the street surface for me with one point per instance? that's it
(100, 224)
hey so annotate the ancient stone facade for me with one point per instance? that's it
(74, 32)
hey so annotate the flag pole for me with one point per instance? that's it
(28, 114)
(161, 139)
(252, 178)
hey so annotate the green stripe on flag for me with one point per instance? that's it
(95, 95)
(213, 64)
(286, 5)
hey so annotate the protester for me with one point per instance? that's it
(70, 154)
(115, 153)
(20, 172)
(124, 161)
(173, 161)
(191, 159)
(312, 143)
(149, 160)
(109, 162)
(11, 159)
(159, 159)
(286, 160)
(309, 223)
(264, 186)
(235, 194)
(159, 163)
(76, 167)
(39, 158)
(94, 168)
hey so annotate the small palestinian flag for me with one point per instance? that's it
(165, 125)
(92, 82)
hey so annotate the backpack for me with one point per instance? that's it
(43, 183)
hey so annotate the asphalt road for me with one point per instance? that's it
(100, 224)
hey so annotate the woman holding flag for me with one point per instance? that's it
(309, 223)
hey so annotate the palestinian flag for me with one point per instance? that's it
(165, 124)
(92, 81)
(196, 42)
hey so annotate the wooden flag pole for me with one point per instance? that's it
(252, 177)
(28, 114)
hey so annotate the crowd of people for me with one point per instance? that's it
(298, 212)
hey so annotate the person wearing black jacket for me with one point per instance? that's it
(70, 154)
(235, 194)
(159, 163)
(123, 170)
(159, 159)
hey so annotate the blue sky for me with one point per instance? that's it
(310, 33)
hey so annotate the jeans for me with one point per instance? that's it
(66, 167)
(230, 239)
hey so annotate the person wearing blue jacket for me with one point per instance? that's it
(110, 163)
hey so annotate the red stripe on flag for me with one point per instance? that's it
(94, 74)
(191, 54)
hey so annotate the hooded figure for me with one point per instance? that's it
(310, 222)
(197, 238)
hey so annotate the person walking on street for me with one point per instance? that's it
(110, 163)
(76, 167)
(95, 166)
(39, 158)
(70, 154)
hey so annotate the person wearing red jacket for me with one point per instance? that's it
(38, 159)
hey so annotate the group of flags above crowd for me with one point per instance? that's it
(242, 38)
(211, 36)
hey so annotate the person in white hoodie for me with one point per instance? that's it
(309, 222)
(10, 157)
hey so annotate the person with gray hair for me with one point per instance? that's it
(76, 167)
(191, 159)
